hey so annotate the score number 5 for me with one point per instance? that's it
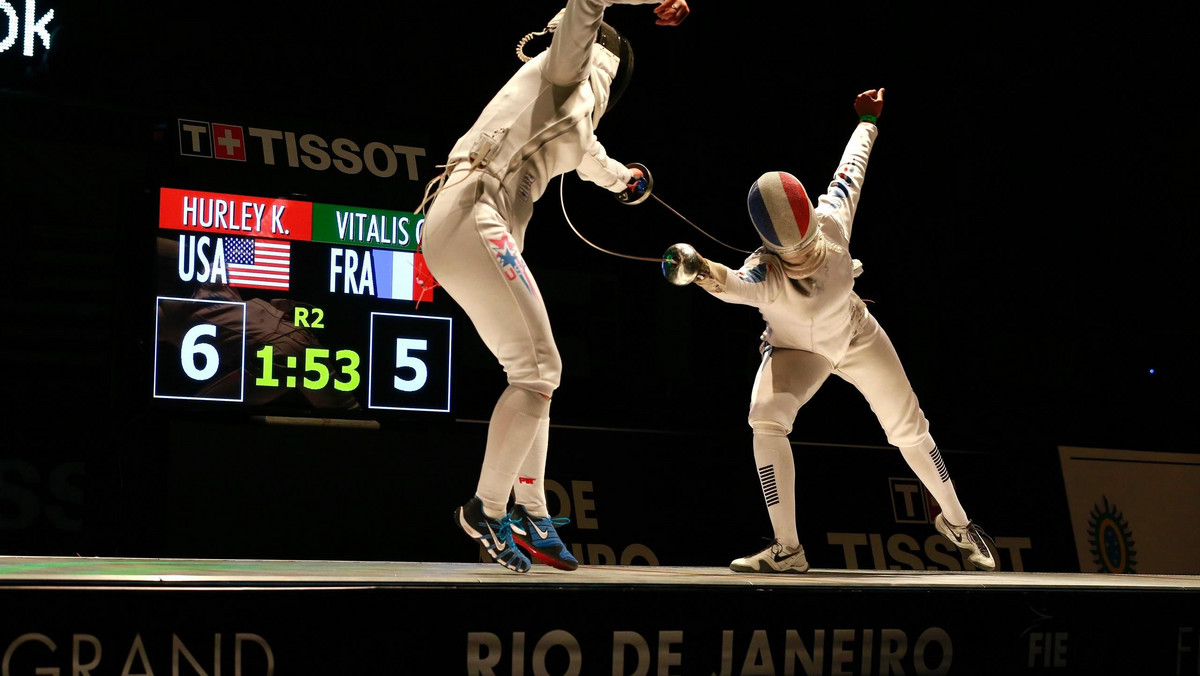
(409, 362)
(404, 360)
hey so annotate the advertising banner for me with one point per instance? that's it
(1133, 511)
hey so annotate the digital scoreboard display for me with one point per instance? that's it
(292, 306)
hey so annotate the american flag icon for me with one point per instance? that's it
(258, 263)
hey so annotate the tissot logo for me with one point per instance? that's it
(296, 150)
(35, 27)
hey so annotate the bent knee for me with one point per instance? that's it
(542, 376)
(770, 428)
(545, 388)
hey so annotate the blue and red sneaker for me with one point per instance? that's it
(537, 536)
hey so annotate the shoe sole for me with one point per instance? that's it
(552, 561)
(770, 571)
(524, 541)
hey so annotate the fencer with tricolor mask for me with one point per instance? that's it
(802, 282)
(810, 303)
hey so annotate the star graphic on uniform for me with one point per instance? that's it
(508, 257)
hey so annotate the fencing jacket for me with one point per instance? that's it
(821, 312)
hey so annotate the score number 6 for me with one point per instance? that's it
(405, 360)
(194, 351)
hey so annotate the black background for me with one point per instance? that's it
(1026, 226)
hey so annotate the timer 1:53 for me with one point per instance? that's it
(316, 370)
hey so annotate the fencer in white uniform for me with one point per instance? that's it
(541, 124)
(802, 281)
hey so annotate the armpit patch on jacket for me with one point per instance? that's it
(526, 184)
(755, 275)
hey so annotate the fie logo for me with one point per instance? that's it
(35, 27)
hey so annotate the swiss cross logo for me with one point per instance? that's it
(204, 139)
(229, 142)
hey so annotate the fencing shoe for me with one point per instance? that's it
(494, 534)
(536, 535)
(774, 559)
(971, 538)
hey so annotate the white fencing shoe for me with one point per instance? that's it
(971, 538)
(774, 559)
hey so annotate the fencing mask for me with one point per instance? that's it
(787, 223)
(782, 213)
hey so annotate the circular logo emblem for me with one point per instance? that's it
(1111, 540)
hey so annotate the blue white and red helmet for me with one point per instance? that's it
(782, 213)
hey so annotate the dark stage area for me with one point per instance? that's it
(262, 617)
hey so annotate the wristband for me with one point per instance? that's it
(868, 118)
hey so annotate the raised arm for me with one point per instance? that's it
(575, 30)
(841, 197)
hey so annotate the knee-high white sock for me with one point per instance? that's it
(513, 427)
(930, 468)
(530, 488)
(777, 476)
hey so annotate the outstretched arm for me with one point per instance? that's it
(570, 55)
(596, 166)
(841, 197)
(575, 30)
(758, 282)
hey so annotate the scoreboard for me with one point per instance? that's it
(269, 301)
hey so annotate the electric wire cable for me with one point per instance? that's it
(656, 259)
